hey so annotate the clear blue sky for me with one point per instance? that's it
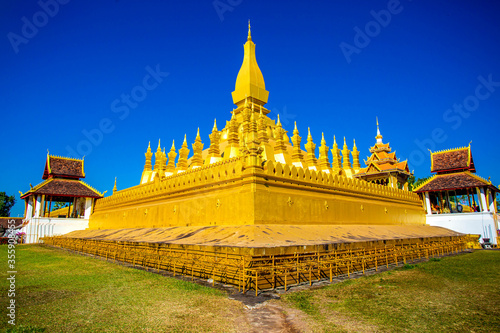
(66, 73)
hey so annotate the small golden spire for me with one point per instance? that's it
(279, 123)
(114, 188)
(249, 32)
(323, 142)
(354, 147)
(344, 142)
(185, 141)
(159, 148)
(198, 134)
(173, 145)
(295, 130)
(215, 126)
(379, 136)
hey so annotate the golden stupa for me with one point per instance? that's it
(255, 210)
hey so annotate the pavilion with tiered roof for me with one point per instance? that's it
(458, 199)
(62, 184)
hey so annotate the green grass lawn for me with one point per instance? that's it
(58, 291)
(451, 294)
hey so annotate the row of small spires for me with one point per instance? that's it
(214, 154)
(65, 157)
(450, 150)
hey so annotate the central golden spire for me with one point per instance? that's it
(250, 82)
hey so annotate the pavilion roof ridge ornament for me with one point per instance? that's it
(450, 149)
(65, 158)
(92, 188)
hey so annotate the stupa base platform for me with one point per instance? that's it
(262, 257)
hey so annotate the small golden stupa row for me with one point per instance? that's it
(275, 147)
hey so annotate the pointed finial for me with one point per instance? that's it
(309, 131)
(379, 136)
(334, 140)
(173, 145)
(185, 141)
(344, 140)
(295, 129)
(159, 148)
(49, 153)
(198, 133)
(149, 145)
(279, 123)
(249, 32)
(323, 142)
(215, 126)
(354, 147)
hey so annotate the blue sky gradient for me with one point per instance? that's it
(428, 69)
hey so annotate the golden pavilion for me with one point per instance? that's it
(383, 167)
(255, 210)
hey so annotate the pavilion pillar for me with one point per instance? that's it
(428, 203)
(495, 205)
(88, 208)
(50, 205)
(37, 205)
(74, 208)
(29, 208)
(484, 206)
(491, 201)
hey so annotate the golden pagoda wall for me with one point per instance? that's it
(225, 193)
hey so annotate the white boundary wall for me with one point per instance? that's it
(39, 227)
(481, 223)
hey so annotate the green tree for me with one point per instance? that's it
(58, 205)
(6, 203)
(412, 183)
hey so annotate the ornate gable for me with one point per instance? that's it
(63, 167)
(458, 159)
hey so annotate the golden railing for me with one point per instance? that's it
(265, 272)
